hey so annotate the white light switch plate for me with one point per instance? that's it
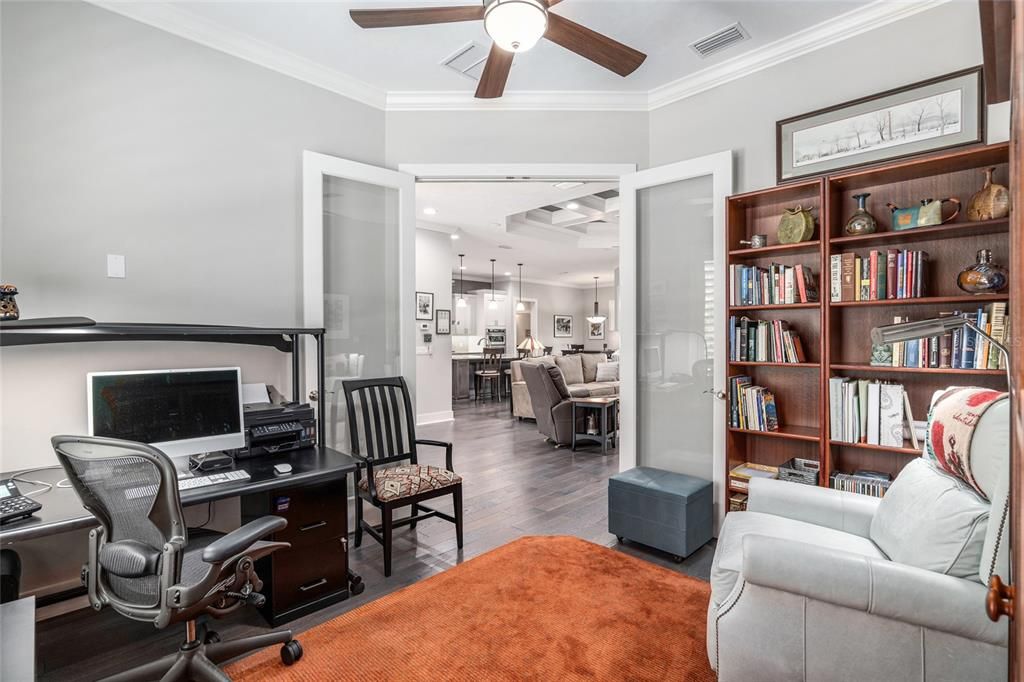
(115, 266)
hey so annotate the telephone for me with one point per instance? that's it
(14, 505)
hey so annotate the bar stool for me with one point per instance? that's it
(490, 374)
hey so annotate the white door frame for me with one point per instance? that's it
(719, 166)
(315, 167)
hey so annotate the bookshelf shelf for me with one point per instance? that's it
(922, 234)
(807, 433)
(866, 367)
(906, 449)
(835, 332)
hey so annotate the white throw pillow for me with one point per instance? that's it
(608, 371)
(931, 520)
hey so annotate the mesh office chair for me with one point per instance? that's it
(142, 564)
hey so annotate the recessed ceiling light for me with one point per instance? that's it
(508, 274)
(572, 206)
(568, 185)
(429, 211)
(454, 236)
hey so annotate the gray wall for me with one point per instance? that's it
(741, 115)
(121, 138)
(434, 371)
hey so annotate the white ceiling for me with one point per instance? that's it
(478, 213)
(307, 36)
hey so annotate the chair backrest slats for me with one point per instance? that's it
(388, 427)
(399, 432)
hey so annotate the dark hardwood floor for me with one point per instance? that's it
(515, 484)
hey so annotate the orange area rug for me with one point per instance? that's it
(538, 608)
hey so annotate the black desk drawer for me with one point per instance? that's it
(305, 574)
(314, 515)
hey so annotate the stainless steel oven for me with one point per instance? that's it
(495, 337)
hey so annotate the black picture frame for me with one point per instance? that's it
(567, 327)
(971, 124)
(443, 325)
(424, 305)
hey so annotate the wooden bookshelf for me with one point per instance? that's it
(836, 335)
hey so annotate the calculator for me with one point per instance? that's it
(14, 505)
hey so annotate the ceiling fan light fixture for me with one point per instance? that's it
(516, 25)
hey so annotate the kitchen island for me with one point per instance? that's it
(464, 365)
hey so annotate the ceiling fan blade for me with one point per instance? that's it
(385, 18)
(495, 75)
(552, 3)
(596, 47)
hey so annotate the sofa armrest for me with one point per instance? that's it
(837, 509)
(876, 586)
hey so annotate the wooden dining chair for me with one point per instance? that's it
(490, 374)
(382, 429)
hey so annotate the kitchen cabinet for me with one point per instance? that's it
(464, 319)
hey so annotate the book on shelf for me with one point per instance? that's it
(775, 285)
(865, 411)
(959, 349)
(738, 502)
(871, 483)
(880, 275)
(752, 408)
(764, 341)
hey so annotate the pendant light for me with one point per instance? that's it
(520, 307)
(461, 303)
(492, 304)
(597, 317)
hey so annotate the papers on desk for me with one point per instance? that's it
(255, 393)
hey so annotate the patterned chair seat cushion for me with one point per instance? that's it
(410, 479)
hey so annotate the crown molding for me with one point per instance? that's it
(180, 22)
(830, 32)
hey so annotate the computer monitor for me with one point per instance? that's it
(179, 411)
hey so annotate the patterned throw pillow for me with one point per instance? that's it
(608, 371)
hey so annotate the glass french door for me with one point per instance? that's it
(358, 278)
(672, 318)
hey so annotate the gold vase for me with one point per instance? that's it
(991, 202)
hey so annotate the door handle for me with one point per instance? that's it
(313, 585)
(718, 394)
(312, 526)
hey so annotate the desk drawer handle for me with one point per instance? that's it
(312, 526)
(313, 585)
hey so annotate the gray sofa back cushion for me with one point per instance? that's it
(590, 362)
(608, 371)
(572, 368)
(558, 380)
(932, 520)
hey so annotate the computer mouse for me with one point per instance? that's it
(282, 469)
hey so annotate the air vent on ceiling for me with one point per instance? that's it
(468, 61)
(719, 40)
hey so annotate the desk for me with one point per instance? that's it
(317, 473)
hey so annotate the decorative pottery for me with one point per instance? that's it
(991, 202)
(928, 213)
(8, 306)
(984, 277)
(861, 222)
(757, 241)
(796, 225)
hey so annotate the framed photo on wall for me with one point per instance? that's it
(595, 331)
(424, 305)
(563, 327)
(939, 113)
(444, 322)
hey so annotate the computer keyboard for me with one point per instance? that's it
(232, 476)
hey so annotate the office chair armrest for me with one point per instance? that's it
(240, 539)
(440, 444)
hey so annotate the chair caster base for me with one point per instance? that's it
(291, 652)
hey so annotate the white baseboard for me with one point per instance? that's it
(435, 417)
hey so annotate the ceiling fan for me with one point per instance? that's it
(514, 26)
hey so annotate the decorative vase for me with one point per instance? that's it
(984, 277)
(861, 222)
(796, 225)
(8, 306)
(991, 202)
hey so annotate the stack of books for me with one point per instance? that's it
(894, 273)
(774, 285)
(737, 502)
(872, 412)
(871, 483)
(960, 349)
(739, 477)
(763, 341)
(752, 407)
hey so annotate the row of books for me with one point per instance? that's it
(763, 341)
(894, 273)
(751, 407)
(866, 411)
(959, 349)
(872, 483)
(774, 285)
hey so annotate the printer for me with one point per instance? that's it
(271, 429)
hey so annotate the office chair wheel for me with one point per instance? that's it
(291, 652)
(211, 637)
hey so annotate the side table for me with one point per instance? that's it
(608, 427)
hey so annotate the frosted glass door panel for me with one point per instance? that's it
(675, 286)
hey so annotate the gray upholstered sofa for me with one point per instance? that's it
(579, 370)
(816, 584)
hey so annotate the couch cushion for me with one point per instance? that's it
(590, 363)
(932, 520)
(572, 368)
(728, 561)
(558, 380)
(607, 371)
(580, 390)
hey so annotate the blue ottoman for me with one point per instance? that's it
(668, 511)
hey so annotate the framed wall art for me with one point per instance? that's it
(424, 305)
(563, 327)
(444, 322)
